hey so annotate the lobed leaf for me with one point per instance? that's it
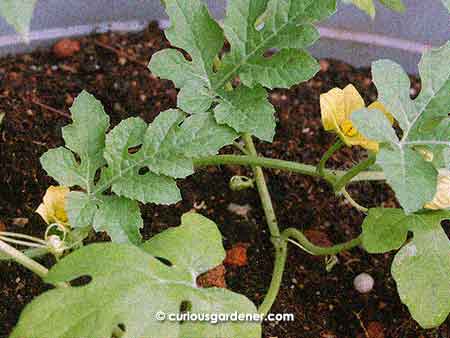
(253, 28)
(84, 137)
(137, 161)
(130, 285)
(424, 122)
(421, 270)
(120, 218)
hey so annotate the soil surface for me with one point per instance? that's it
(36, 91)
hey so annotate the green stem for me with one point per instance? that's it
(24, 260)
(318, 250)
(353, 203)
(323, 161)
(20, 242)
(300, 168)
(280, 246)
(263, 191)
(30, 253)
(354, 172)
(252, 160)
(277, 277)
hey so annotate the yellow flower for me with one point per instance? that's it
(337, 107)
(441, 199)
(52, 210)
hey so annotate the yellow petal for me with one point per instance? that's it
(54, 205)
(332, 108)
(43, 212)
(379, 106)
(352, 101)
(441, 199)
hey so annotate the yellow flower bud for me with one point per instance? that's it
(441, 199)
(52, 210)
(337, 107)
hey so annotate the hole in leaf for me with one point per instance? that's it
(119, 331)
(81, 281)
(185, 306)
(97, 175)
(164, 261)
(77, 158)
(134, 150)
(143, 171)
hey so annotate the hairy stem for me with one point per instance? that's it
(301, 239)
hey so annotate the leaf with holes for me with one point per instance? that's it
(167, 147)
(137, 161)
(421, 270)
(424, 122)
(254, 29)
(85, 137)
(131, 285)
(18, 13)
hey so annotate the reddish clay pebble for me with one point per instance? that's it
(66, 48)
(213, 278)
(237, 255)
(375, 330)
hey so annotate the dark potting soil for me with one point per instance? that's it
(36, 91)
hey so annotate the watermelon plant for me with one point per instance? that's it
(104, 173)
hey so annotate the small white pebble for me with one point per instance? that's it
(363, 283)
(240, 210)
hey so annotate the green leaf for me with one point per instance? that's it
(253, 28)
(395, 5)
(281, 27)
(424, 121)
(81, 209)
(368, 6)
(421, 270)
(60, 163)
(137, 161)
(183, 239)
(247, 110)
(194, 98)
(413, 179)
(18, 13)
(384, 230)
(120, 218)
(129, 286)
(284, 69)
(377, 127)
(365, 5)
(168, 146)
(86, 138)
